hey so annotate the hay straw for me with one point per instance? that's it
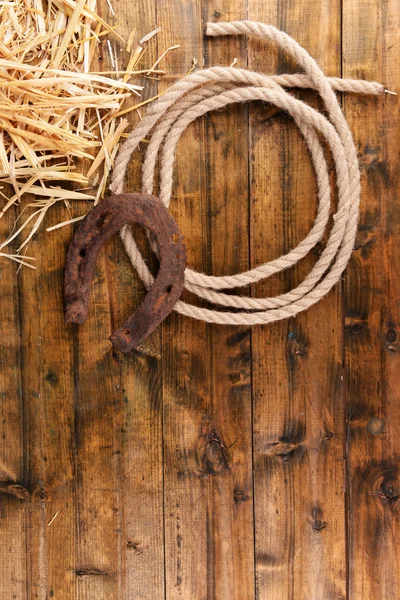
(148, 36)
(61, 120)
(63, 223)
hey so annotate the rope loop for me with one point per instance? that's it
(210, 89)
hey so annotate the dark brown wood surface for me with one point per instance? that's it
(218, 462)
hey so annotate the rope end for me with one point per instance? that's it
(210, 29)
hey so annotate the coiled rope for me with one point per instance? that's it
(214, 88)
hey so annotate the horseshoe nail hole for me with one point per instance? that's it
(169, 289)
(102, 220)
(82, 252)
(127, 332)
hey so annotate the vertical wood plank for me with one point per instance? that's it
(48, 392)
(206, 370)
(230, 493)
(98, 405)
(185, 364)
(297, 387)
(12, 509)
(370, 34)
(142, 546)
(98, 411)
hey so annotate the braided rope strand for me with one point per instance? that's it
(214, 88)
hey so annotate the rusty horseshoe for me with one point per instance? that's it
(97, 227)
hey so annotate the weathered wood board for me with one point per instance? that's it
(218, 462)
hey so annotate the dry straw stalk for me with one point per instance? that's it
(61, 120)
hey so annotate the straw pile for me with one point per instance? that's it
(60, 122)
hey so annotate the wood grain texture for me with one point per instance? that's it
(297, 364)
(12, 471)
(372, 311)
(49, 436)
(185, 368)
(141, 524)
(217, 462)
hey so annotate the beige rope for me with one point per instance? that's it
(210, 89)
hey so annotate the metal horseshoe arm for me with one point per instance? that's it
(93, 232)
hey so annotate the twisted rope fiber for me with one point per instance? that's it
(214, 88)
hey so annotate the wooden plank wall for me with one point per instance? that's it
(218, 462)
